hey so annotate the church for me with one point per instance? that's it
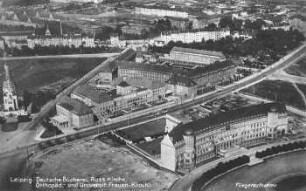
(10, 98)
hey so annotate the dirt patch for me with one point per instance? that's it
(97, 159)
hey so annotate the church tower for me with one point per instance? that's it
(10, 100)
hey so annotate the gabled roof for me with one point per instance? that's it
(225, 117)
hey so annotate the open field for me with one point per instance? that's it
(297, 69)
(278, 90)
(139, 132)
(97, 159)
(152, 147)
(37, 73)
(262, 173)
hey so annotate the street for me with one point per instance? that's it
(183, 183)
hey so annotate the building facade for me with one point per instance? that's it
(189, 37)
(149, 71)
(72, 113)
(160, 12)
(188, 145)
(192, 57)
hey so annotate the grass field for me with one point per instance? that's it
(262, 173)
(149, 129)
(152, 147)
(279, 91)
(36, 73)
(298, 69)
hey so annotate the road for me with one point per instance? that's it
(96, 55)
(185, 182)
(182, 183)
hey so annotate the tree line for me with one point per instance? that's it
(280, 149)
(219, 169)
(267, 44)
(56, 50)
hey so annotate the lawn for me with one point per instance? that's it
(33, 74)
(298, 69)
(136, 133)
(152, 147)
(262, 173)
(278, 90)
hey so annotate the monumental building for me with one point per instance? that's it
(187, 145)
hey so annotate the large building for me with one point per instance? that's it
(189, 37)
(160, 12)
(188, 145)
(204, 77)
(72, 113)
(150, 71)
(62, 40)
(128, 94)
(192, 57)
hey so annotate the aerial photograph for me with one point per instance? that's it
(152, 95)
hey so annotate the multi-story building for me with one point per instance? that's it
(189, 37)
(150, 71)
(62, 40)
(188, 145)
(72, 113)
(160, 12)
(127, 95)
(192, 57)
(204, 77)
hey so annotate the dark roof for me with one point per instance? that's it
(93, 94)
(146, 67)
(197, 51)
(75, 106)
(183, 80)
(210, 68)
(225, 117)
(123, 84)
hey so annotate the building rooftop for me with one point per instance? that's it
(196, 51)
(94, 94)
(75, 106)
(182, 80)
(225, 117)
(141, 82)
(145, 67)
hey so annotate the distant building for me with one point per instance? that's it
(160, 12)
(179, 23)
(188, 145)
(72, 113)
(189, 37)
(79, 1)
(192, 57)
(48, 39)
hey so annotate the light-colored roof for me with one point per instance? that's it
(197, 51)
